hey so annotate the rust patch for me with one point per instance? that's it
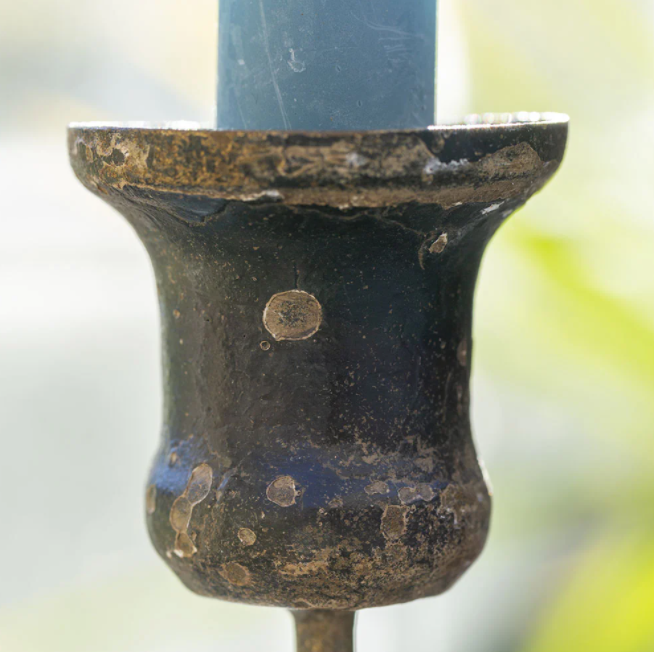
(236, 574)
(515, 160)
(393, 522)
(197, 489)
(293, 315)
(439, 245)
(317, 168)
(247, 536)
(282, 491)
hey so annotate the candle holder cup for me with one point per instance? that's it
(316, 294)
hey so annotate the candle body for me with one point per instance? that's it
(326, 64)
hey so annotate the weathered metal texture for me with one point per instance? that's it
(316, 298)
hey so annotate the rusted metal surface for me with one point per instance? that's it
(324, 631)
(442, 165)
(316, 298)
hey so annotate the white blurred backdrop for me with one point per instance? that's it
(563, 367)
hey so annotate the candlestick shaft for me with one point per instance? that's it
(316, 65)
(324, 631)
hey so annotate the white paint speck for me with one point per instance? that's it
(491, 209)
(434, 165)
(273, 195)
(356, 160)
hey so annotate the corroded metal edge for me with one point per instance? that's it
(444, 165)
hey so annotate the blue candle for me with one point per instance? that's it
(326, 64)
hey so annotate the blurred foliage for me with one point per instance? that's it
(577, 325)
(564, 339)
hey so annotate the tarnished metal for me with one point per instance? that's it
(316, 299)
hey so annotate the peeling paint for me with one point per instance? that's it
(439, 245)
(247, 537)
(236, 574)
(421, 492)
(377, 487)
(282, 491)
(197, 489)
(294, 315)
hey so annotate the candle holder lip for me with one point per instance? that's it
(483, 120)
(496, 158)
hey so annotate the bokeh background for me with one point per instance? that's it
(564, 358)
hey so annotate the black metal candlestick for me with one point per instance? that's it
(316, 300)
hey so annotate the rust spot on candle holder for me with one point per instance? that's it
(197, 489)
(282, 491)
(292, 315)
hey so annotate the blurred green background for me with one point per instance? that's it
(564, 357)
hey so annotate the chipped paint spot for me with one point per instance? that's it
(422, 492)
(266, 195)
(377, 487)
(356, 160)
(435, 165)
(247, 536)
(236, 574)
(393, 522)
(151, 499)
(197, 489)
(462, 353)
(439, 245)
(293, 315)
(282, 491)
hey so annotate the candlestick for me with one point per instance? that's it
(337, 65)
(316, 294)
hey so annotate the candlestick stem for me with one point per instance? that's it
(324, 631)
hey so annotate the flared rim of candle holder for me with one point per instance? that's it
(486, 120)
(492, 158)
(316, 294)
